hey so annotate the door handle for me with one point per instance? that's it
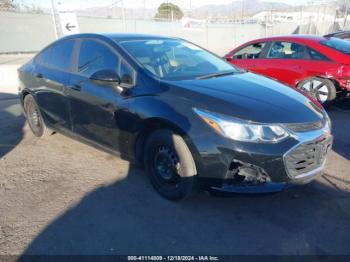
(75, 87)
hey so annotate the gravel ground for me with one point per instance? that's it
(59, 196)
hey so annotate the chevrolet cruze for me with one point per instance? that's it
(193, 120)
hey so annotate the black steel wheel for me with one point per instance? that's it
(34, 118)
(170, 165)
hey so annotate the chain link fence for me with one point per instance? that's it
(30, 32)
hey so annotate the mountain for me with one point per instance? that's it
(237, 8)
(234, 9)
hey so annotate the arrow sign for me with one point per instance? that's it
(68, 26)
(68, 21)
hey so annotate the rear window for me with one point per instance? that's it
(337, 44)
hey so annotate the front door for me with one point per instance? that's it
(250, 57)
(95, 109)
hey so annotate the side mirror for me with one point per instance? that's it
(105, 77)
(228, 57)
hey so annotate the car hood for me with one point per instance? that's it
(251, 97)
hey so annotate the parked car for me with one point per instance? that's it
(340, 34)
(317, 65)
(192, 119)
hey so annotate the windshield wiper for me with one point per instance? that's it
(215, 75)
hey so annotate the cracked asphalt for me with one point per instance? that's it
(59, 196)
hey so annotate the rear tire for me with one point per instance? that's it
(170, 165)
(34, 117)
(321, 89)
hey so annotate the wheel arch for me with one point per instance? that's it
(23, 94)
(335, 82)
(156, 123)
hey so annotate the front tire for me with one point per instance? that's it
(321, 89)
(34, 117)
(170, 165)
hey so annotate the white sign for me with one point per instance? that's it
(69, 24)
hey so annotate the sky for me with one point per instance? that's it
(73, 4)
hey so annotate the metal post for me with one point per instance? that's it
(206, 35)
(123, 15)
(301, 19)
(242, 10)
(144, 9)
(346, 13)
(53, 18)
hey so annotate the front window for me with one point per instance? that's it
(95, 56)
(176, 59)
(337, 44)
(250, 52)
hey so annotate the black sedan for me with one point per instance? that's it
(193, 120)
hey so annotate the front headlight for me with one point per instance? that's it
(242, 130)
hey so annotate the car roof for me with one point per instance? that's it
(296, 38)
(118, 37)
(338, 33)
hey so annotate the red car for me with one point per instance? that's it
(315, 64)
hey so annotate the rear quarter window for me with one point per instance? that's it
(57, 56)
(61, 55)
(340, 45)
(314, 55)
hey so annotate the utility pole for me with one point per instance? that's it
(123, 15)
(300, 19)
(114, 4)
(144, 9)
(346, 13)
(242, 10)
(53, 18)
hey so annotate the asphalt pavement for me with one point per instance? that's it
(59, 196)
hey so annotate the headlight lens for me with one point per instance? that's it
(241, 130)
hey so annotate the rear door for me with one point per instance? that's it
(96, 109)
(52, 74)
(286, 61)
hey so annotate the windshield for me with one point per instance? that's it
(176, 59)
(337, 44)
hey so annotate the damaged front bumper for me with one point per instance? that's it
(250, 168)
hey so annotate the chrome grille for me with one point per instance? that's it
(307, 156)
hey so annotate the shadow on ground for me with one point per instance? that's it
(339, 113)
(128, 217)
(11, 123)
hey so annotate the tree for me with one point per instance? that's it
(7, 5)
(169, 11)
